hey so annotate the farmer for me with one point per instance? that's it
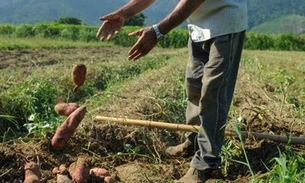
(216, 33)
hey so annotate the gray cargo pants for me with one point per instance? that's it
(210, 81)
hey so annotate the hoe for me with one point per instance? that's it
(183, 127)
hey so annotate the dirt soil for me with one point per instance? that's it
(107, 144)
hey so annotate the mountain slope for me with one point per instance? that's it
(33, 11)
(261, 11)
(17, 11)
(284, 24)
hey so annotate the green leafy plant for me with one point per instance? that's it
(42, 117)
(287, 169)
(229, 150)
(32, 104)
(8, 129)
(132, 150)
(285, 81)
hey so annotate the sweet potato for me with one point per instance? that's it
(99, 172)
(79, 171)
(65, 109)
(78, 75)
(62, 169)
(68, 127)
(32, 172)
(55, 170)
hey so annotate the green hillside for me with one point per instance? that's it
(33, 11)
(284, 24)
(261, 11)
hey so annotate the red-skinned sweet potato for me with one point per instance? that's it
(79, 171)
(65, 109)
(78, 75)
(32, 173)
(68, 127)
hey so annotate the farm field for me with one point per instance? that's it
(269, 99)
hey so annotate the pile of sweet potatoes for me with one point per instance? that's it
(79, 172)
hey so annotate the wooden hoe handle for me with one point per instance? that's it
(189, 128)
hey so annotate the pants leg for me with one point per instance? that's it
(194, 72)
(210, 79)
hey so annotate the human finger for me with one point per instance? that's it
(135, 56)
(102, 30)
(134, 49)
(103, 35)
(138, 51)
(136, 33)
(99, 31)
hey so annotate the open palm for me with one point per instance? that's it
(111, 25)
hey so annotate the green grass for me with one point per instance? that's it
(12, 43)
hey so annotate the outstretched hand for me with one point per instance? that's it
(146, 42)
(111, 25)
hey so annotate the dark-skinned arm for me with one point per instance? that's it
(134, 7)
(114, 21)
(147, 39)
(180, 13)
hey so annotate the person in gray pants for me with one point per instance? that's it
(216, 35)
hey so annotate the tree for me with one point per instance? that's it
(137, 20)
(69, 20)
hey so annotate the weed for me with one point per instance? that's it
(11, 127)
(34, 101)
(285, 80)
(229, 150)
(287, 169)
(247, 163)
(132, 150)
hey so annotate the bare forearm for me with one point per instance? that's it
(133, 7)
(180, 13)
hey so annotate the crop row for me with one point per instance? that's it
(175, 39)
